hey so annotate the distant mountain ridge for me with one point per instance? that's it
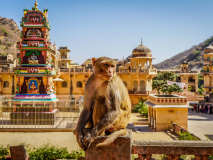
(9, 35)
(194, 57)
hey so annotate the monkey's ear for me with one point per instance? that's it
(93, 61)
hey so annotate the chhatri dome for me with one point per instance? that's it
(141, 50)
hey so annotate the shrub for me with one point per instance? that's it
(6, 33)
(4, 152)
(141, 108)
(48, 152)
(75, 154)
(186, 136)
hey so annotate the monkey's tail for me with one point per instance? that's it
(112, 137)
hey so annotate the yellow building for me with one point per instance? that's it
(7, 79)
(136, 71)
(65, 61)
(164, 109)
(207, 71)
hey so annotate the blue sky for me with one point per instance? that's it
(113, 28)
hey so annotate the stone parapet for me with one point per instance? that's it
(120, 149)
(167, 99)
(173, 149)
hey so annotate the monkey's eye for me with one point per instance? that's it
(112, 66)
(106, 65)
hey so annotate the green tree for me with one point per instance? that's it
(160, 83)
(157, 84)
(200, 81)
(200, 84)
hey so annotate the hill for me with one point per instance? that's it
(9, 35)
(194, 57)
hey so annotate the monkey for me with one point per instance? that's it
(106, 108)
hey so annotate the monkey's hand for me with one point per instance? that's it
(79, 138)
(88, 139)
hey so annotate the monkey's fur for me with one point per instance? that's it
(107, 106)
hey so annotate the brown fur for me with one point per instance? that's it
(107, 106)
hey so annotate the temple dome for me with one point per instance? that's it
(141, 50)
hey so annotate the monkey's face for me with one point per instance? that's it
(106, 71)
(104, 68)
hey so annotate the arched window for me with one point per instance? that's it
(64, 84)
(6, 84)
(191, 80)
(79, 84)
(125, 83)
(147, 64)
(178, 79)
(135, 85)
(142, 85)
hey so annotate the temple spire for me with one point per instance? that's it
(141, 42)
(36, 5)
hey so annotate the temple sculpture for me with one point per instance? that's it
(35, 97)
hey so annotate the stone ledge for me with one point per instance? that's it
(173, 147)
(119, 149)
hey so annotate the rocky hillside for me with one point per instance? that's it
(194, 57)
(9, 35)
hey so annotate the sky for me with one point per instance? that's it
(113, 28)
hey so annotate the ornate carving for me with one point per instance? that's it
(33, 43)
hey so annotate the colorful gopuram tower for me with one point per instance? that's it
(35, 100)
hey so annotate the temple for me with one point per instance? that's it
(34, 75)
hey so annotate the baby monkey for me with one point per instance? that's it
(107, 105)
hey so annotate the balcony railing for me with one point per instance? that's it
(141, 92)
(6, 62)
(186, 72)
(140, 71)
(209, 60)
(201, 150)
(124, 71)
(206, 72)
(7, 70)
(64, 70)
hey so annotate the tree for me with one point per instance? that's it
(200, 84)
(157, 84)
(160, 83)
